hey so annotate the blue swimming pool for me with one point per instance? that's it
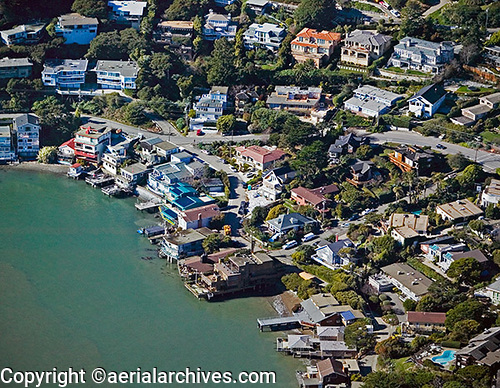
(445, 358)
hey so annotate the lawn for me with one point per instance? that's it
(416, 72)
(395, 69)
(465, 90)
(366, 7)
(351, 120)
(491, 137)
(427, 271)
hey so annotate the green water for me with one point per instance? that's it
(75, 293)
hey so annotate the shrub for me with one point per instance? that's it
(451, 344)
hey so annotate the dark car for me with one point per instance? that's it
(440, 146)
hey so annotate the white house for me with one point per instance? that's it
(224, 3)
(491, 194)
(371, 101)
(64, 73)
(219, 26)
(265, 35)
(330, 256)
(427, 101)
(199, 217)
(118, 75)
(75, 28)
(493, 292)
(27, 128)
(127, 12)
(26, 33)
(7, 152)
(412, 283)
(135, 173)
(209, 108)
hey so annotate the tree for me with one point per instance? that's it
(47, 155)
(409, 305)
(492, 211)
(212, 243)
(464, 330)
(303, 254)
(411, 19)
(465, 270)
(117, 45)
(467, 310)
(226, 123)
(457, 161)
(185, 9)
(311, 160)
(314, 13)
(356, 335)
(469, 175)
(134, 113)
(364, 152)
(221, 64)
(276, 211)
(258, 215)
(57, 122)
(90, 8)
(392, 348)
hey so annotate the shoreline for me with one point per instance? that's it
(57, 169)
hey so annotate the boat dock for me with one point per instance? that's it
(279, 323)
(100, 180)
(150, 206)
(152, 231)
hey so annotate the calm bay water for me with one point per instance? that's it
(75, 293)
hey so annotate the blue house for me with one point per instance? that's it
(76, 29)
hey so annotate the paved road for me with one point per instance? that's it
(488, 160)
(434, 8)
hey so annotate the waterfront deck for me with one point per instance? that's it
(100, 180)
(279, 323)
(151, 205)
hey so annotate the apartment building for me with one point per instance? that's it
(64, 73)
(116, 74)
(27, 128)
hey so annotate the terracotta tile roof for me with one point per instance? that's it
(425, 317)
(326, 35)
(261, 154)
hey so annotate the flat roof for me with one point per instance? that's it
(409, 277)
(57, 65)
(75, 19)
(135, 8)
(187, 236)
(9, 62)
(135, 168)
(460, 209)
(5, 131)
(125, 68)
(418, 223)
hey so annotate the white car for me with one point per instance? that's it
(308, 237)
(206, 152)
(290, 244)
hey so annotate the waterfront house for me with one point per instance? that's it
(23, 34)
(369, 101)
(273, 182)
(163, 151)
(335, 255)
(483, 349)
(7, 151)
(303, 345)
(66, 152)
(410, 158)
(412, 283)
(128, 13)
(135, 173)
(118, 75)
(422, 55)
(91, 141)
(423, 322)
(199, 217)
(346, 144)
(330, 333)
(324, 310)
(361, 173)
(184, 243)
(27, 128)
(76, 29)
(491, 194)
(318, 46)
(15, 68)
(406, 228)
(363, 46)
(64, 73)
(296, 100)
(219, 26)
(329, 372)
(260, 158)
(165, 175)
(320, 198)
(117, 152)
(267, 35)
(287, 222)
(427, 101)
(260, 7)
(460, 210)
(474, 113)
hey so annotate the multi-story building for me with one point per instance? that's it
(209, 108)
(371, 101)
(422, 55)
(26, 33)
(91, 141)
(259, 6)
(314, 45)
(167, 31)
(460, 210)
(7, 152)
(219, 26)
(491, 194)
(265, 35)
(27, 128)
(474, 113)
(116, 74)
(75, 28)
(427, 100)
(297, 100)
(363, 46)
(183, 243)
(412, 283)
(315, 198)
(273, 182)
(15, 68)
(412, 158)
(260, 158)
(127, 12)
(483, 349)
(64, 73)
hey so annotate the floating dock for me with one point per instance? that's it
(100, 180)
(150, 206)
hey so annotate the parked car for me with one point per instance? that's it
(199, 132)
(439, 146)
(290, 244)
(345, 225)
(250, 175)
(308, 237)
(354, 217)
(206, 152)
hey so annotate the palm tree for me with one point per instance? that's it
(398, 192)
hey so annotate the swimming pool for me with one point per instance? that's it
(445, 358)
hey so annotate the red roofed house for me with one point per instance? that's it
(66, 152)
(198, 217)
(311, 44)
(260, 158)
(424, 322)
(331, 371)
(314, 197)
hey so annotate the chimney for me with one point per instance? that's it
(336, 237)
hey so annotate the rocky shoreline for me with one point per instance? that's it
(58, 169)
